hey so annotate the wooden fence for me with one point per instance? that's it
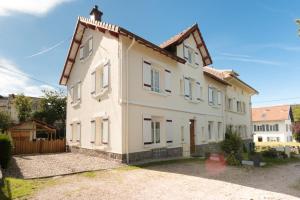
(39, 146)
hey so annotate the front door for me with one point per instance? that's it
(192, 136)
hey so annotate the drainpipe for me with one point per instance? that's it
(127, 104)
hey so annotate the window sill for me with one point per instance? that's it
(76, 103)
(99, 94)
(160, 93)
(193, 101)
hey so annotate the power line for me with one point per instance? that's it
(28, 76)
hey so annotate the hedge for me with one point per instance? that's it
(5, 150)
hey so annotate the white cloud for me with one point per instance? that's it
(32, 7)
(13, 80)
(245, 58)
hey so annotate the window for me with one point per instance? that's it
(191, 55)
(230, 104)
(75, 131)
(86, 49)
(213, 96)
(151, 130)
(220, 135)
(275, 127)
(104, 131)
(152, 78)
(100, 131)
(187, 88)
(254, 128)
(75, 93)
(210, 129)
(155, 130)
(78, 135)
(238, 106)
(259, 139)
(155, 80)
(93, 131)
(100, 79)
(271, 127)
(267, 127)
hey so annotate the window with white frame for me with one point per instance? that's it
(230, 104)
(191, 56)
(86, 49)
(210, 129)
(100, 79)
(192, 89)
(155, 80)
(75, 93)
(212, 96)
(151, 130)
(219, 97)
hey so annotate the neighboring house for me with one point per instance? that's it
(32, 130)
(7, 104)
(272, 124)
(130, 99)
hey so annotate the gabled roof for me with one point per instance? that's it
(214, 75)
(227, 75)
(180, 37)
(271, 113)
(83, 23)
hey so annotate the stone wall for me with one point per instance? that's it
(133, 157)
(203, 149)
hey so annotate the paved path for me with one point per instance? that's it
(36, 166)
(180, 181)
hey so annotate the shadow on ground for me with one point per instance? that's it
(13, 170)
(283, 179)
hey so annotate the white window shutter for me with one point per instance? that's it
(105, 76)
(147, 136)
(197, 58)
(81, 53)
(185, 51)
(147, 75)
(105, 131)
(210, 95)
(93, 131)
(186, 87)
(90, 45)
(168, 81)
(78, 91)
(219, 98)
(169, 131)
(93, 82)
(78, 129)
(198, 91)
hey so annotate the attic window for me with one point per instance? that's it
(86, 49)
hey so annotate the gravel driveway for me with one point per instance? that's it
(191, 180)
(37, 166)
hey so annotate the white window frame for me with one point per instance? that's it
(86, 49)
(210, 129)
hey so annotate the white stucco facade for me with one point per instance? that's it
(115, 117)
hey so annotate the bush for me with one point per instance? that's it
(232, 143)
(271, 153)
(6, 150)
(231, 159)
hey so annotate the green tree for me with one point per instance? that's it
(24, 107)
(52, 108)
(5, 121)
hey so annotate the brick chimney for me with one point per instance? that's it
(96, 14)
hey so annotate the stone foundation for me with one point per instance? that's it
(133, 157)
(203, 149)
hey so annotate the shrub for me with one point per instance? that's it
(6, 150)
(271, 153)
(231, 159)
(232, 143)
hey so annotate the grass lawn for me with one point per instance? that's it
(17, 188)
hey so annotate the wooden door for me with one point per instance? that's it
(192, 136)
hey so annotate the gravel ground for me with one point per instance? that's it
(37, 166)
(180, 181)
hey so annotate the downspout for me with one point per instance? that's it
(127, 104)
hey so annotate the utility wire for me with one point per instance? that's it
(28, 76)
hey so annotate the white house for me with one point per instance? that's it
(130, 99)
(272, 124)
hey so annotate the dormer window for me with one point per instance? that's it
(191, 56)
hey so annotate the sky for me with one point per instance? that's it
(258, 39)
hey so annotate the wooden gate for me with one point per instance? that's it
(39, 146)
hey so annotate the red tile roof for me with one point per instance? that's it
(272, 113)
